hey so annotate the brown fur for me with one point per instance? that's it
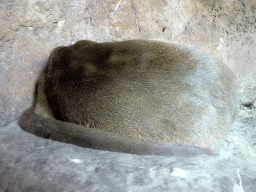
(137, 96)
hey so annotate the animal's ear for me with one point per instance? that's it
(82, 43)
(41, 105)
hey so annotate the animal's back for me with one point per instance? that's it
(147, 90)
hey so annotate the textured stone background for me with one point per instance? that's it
(31, 29)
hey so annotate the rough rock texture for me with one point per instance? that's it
(30, 164)
(31, 29)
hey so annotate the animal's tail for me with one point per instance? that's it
(98, 139)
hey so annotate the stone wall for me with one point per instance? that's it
(31, 29)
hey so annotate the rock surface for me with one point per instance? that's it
(31, 29)
(29, 163)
